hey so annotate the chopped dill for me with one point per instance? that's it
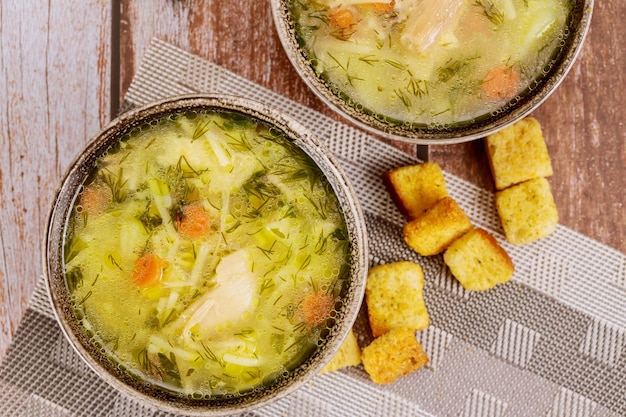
(319, 208)
(114, 262)
(150, 143)
(144, 361)
(272, 270)
(289, 213)
(305, 263)
(299, 327)
(404, 99)
(186, 170)
(295, 343)
(260, 188)
(395, 64)
(73, 248)
(441, 112)
(168, 365)
(345, 69)
(490, 11)
(290, 173)
(116, 183)
(234, 227)
(452, 68)
(210, 355)
(245, 332)
(85, 298)
(268, 252)
(306, 242)
(287, 257)
(369, 59)
(201, 129)
(242, 143)
(168, 318)
(278, 299)
(148, 220)
(267, 285)
(418, 88)
(122, 159)
(322, 244)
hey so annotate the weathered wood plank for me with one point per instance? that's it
(54, 82)
(238, 35)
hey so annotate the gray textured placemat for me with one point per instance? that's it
(549, 343)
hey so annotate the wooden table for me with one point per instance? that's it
(65, 66)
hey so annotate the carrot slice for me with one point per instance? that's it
(379, 7)
(148, 270)
(501, 83)
(344, 21)
(316, 308)
(193, 221)
(342, 18)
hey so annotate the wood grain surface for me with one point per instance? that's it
(65, 66)
(54, 85)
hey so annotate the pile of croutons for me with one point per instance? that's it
(440, 225)
(396, 310)
(520, 163)
(436, 224)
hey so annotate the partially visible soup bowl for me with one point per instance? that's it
(205, 255)
(432, 72)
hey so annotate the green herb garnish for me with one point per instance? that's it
(116, 183)
(201, 129)
(490, 11)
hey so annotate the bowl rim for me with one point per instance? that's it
(528, 102)
(298, 134)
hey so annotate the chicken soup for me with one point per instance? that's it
(430, 63)
(206, 254)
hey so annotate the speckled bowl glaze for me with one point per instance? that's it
(110, 371)
(562, 61)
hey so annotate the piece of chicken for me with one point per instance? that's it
(232, 295)
(429, 20)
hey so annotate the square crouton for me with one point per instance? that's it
(433, 231)
(349, 354)
(415, 188)
(392, 355)
(394, 297)
(477, 261)
(518, 153)
(527, 211)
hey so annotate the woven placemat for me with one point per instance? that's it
(549, 343)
